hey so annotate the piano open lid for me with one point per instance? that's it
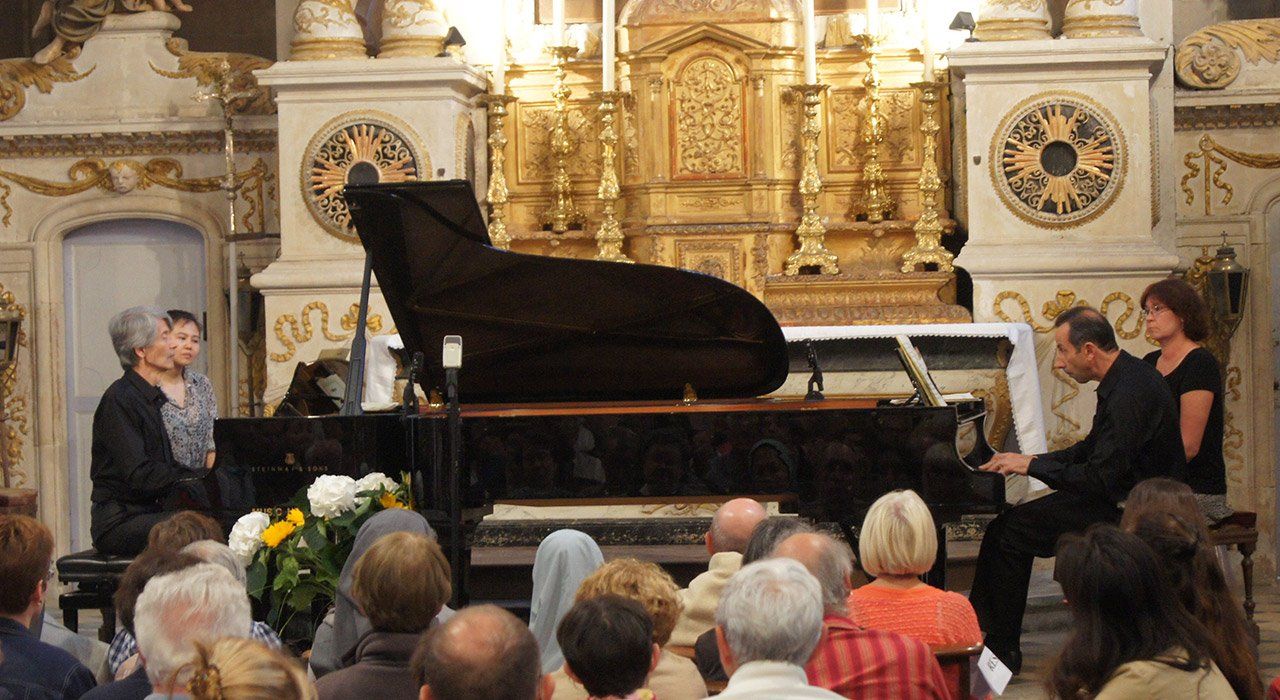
(538, 328)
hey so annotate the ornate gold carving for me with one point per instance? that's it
(707, 120)
(124, 175)
(999, 404)
(875, 297)
(660, 10)
(710, 202)
(133, 143)
(811, 233)
(304, 332)
(847, 126)
(1232, 437)
(1226, 116)
(630, 141)
(609, 237)
(928, 228)
(563, 213)
(1207, 59)
(15, 404)
(356, 147)
(719, 258)
(1058, 160)
(207, 67)
(1213, 167)
(877, 204)
(537, 163)
(791, 118)
(498, 194)
(18, 74)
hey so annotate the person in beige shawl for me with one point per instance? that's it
(731, 529)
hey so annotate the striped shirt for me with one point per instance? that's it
(873, 664)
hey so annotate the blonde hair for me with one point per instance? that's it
(898, 536)
(644, 582)
(245, 669)
(401, 582)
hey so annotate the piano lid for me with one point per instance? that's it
(537, 328)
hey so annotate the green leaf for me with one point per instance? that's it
(314, 538)
(288, 576)
(256, 578)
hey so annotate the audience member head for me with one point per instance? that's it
(140, 336)
(1123, 611)
(644, 582)
(829, 560)
(481, 652)
(199, 603)
(1161, 495)
(144, 567)
(608, 645)
(898, 537)
(245, 669)
(1172, 308)
(1085, 343)
(563, 561)
(402, 582)
(1189, 562)
(769, 611)
(769, 533)
(182, 528)
(26, 552)
(218, 553)
(732, 525)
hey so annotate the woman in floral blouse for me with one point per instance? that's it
(190, 407)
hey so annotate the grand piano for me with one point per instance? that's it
(593, 380)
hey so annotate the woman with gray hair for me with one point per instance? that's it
(132, 466)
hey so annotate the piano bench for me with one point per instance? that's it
(95, 578)
(1240, 530)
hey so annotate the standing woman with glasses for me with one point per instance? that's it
(1178, 319)
(190, 407)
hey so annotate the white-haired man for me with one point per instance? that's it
(199, 603)
(767, 624)
(731, 529)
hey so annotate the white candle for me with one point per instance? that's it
(557, 21)
(873, 17)
(926, 43)
(608, 80)
(500, 63)
(810, 45)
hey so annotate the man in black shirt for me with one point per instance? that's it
(132, 466)
(1134, 436)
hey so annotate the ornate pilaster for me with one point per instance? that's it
(498, 195)
(928, 228)
(564, 213)
(877, 201)
(609, 237)
(811, 234)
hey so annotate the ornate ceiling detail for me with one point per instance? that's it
(353, 148)
(1058, 159)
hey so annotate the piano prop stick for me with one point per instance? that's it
(355, 372)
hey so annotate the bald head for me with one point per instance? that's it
(483, 651)
(733, 524)
(828, 559)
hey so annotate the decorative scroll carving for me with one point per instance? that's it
(206, 68)
(123, 176)
(847, 124)
(302, 333)
(1058, 160)
(536, 161)
(1213, 166)
(18, 74)
(15, 404)
(708, 120)
(1208, 59)
(1232, 437)
(630, 140)
(719, 258)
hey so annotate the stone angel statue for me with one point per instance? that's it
(76, 21)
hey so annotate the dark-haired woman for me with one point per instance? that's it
(190, 407)
(1178, 319)
(1131, 639)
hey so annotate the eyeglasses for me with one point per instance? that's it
(1153, 310)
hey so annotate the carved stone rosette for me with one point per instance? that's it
(1013, 20)
(928, 228)
(412, 28)
(325, 30)
(811, 234)
(498, 194)
(1090, 19)
(609, 237)
(564, 213)
(878, 202)
(1211, 58)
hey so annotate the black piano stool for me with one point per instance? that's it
(95, 578)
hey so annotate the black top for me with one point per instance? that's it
(34, 670)
(1198, 371)
(132, 465)
(537, 328)
(1134, 436)
(134, 686)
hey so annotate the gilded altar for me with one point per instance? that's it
(710, 155)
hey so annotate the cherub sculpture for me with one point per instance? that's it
(76, 21)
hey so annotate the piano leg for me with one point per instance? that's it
(937, 576)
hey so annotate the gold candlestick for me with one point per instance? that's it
(811, 234)
(928, 228)
(609, 237)
(563, 213)
(498, 195)
(877, 195)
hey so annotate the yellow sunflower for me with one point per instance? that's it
(294, 516)
(388, 500)
(274, 535)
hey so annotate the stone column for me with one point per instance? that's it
(1093, 19)
(1012, 20)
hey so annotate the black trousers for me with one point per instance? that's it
(1012, 542)
(129, 537)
